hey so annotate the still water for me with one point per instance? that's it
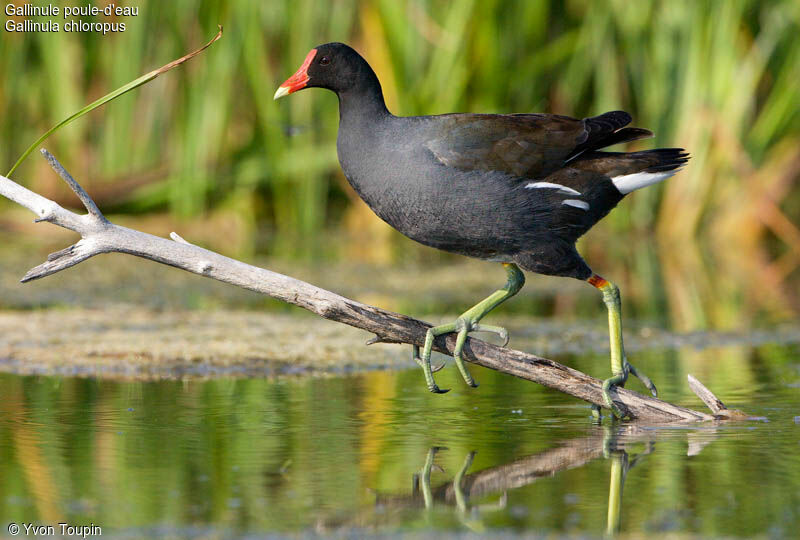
(374, 452)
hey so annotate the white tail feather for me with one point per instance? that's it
(631, 182)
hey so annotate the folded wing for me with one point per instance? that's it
(529, 146)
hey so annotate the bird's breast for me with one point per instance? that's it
(428, 202)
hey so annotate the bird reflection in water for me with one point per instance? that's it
(609, 442)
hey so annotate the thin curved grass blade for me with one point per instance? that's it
(113, 95)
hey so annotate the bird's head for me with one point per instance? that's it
(334, 66)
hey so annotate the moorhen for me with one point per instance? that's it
(518, 189)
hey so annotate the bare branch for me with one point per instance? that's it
(103, 237)
(34, 202)
(713, 402)
(61, 260)
(175, 236)
(87, 201)
(706, 395)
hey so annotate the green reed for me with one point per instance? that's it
(718, 78)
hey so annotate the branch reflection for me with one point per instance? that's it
(615, 443)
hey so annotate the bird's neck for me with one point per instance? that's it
(363, 104)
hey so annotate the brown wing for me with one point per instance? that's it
(523, 145)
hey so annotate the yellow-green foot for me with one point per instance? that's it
(463, 326)
(466, 323)
(619, 380)
(416, 357)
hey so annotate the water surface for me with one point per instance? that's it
(347, 455)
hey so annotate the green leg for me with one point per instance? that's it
(468, 516)
(425, 477)
(619, 468)
(468, 322)
(620, 367)
(461, 497)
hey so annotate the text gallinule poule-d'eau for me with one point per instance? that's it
(518, 189)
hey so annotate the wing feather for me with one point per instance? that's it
(522, 145)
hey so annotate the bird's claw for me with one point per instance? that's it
(643, 378)
(468, 322)
(499, 330)
(440, 367)
(618, 380)
(428, 370)
(436, 390)
(462, 326)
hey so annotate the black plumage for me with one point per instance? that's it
(462, 182)
(513, 188)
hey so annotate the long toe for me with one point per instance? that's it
(499, 330)
(425, 360)
(643, 378)
(460, 340)
(608, 385)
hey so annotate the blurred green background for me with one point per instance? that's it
(204, 150)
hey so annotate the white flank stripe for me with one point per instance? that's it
(559, 187)
(577, 204)
(631, 182)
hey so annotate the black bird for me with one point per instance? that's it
(518, 189)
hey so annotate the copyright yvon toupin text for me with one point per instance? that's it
(60, 529)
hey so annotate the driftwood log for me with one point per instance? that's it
(98, 235)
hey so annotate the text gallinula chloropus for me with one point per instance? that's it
(518, 189)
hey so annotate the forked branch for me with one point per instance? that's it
(98, 235)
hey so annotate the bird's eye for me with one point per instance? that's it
(325, 60)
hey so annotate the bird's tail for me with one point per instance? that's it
(634, 170)
(650, 167)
